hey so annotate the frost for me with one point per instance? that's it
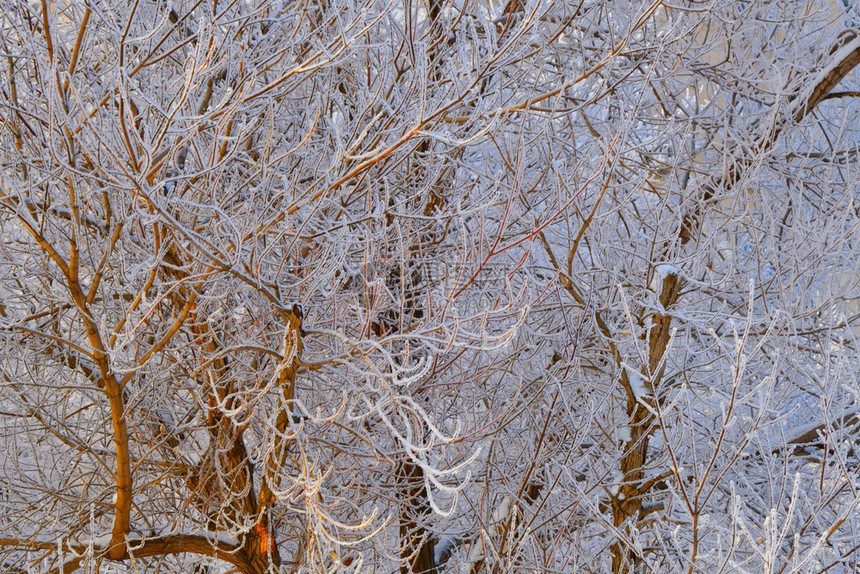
(467, 211)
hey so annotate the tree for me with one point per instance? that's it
(331, 286)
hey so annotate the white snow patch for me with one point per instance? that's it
(500, 514)
(637, 383)
(225, 538)
(102, 541)
(661, 271)
(617, 479)
(800, 430)
(836, 60)
(444, 546)
(502, 511)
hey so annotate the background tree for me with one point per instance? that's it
(455, 286)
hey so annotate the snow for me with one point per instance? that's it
(617, 479)
(502, 511)
(224, 538)
(798, 431)
(637, 383)
(444, 547)
(661, 271)
(798, 105)
(102, 541)
(475, 555)
(500, 515)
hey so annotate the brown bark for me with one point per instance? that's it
(417, 543)
(292, 352)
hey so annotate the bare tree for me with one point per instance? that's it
(425, 287)
(700, 302)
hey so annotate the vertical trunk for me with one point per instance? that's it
(418, 544)
(627, 504)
